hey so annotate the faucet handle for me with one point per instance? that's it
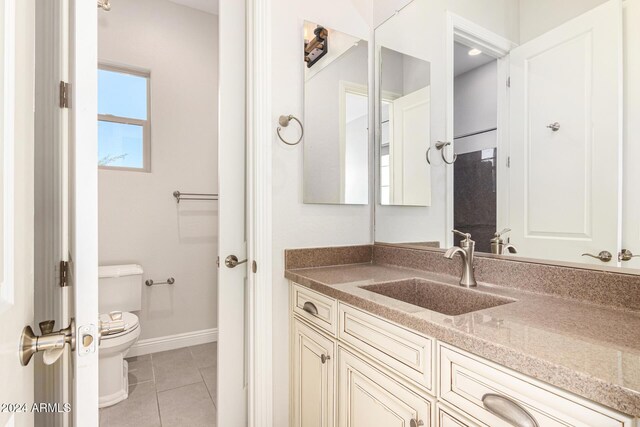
(500, 233)
(467, 236)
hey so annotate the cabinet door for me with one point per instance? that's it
(313, 377)
(369, 398)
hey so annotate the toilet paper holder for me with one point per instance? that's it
(169, 281)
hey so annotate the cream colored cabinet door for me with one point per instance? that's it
(369, 398)
(313, 377)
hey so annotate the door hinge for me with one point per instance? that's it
(64, 274)
(508, 81)
(65, 94)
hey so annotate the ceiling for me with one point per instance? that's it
(209, 6)
(464, 62)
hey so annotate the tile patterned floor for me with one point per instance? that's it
(170, 389)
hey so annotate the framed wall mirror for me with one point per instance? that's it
(529, 139)
(336, 117)
(405, 83)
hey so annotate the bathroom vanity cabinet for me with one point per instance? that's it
(355, 369)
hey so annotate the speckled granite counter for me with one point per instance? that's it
(585, 348)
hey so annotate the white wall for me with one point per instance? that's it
(476, 100)
(539, 16)
(294, 223)
(140, 221)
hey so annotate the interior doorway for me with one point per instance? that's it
(476, 141)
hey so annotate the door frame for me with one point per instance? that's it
(259, 189)
(259, 213)
(467, 32)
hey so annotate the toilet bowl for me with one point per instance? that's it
(114, 382)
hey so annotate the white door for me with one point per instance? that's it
(16, 206)
(313, 377)
(367, 397)
(232, 284)
(565, 186)
(410, 172)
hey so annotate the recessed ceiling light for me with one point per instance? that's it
(474, 52)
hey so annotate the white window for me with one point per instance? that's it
(124, 128)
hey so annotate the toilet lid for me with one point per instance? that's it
(130, 323)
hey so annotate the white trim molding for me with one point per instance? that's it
(172, 342)
(7, 130)
(259, 213)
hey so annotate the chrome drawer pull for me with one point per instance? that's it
(310, 308)
(508, 410)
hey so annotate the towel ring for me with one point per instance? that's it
(284, 122)
(441, 146)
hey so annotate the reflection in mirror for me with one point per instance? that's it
(405, 175)
(475, 118)
(526, 127)
(336, 107)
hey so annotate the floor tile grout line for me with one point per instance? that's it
(207, 387)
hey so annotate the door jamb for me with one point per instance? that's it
(462, 30)
(259, 213)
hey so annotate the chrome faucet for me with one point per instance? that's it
(498, 245)
(466, 249)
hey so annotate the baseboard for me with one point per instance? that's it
(172, 342)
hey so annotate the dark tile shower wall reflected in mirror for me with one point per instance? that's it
(475, 196)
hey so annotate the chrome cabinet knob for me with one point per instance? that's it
(416, 423)
(604, 256)
(324, 358)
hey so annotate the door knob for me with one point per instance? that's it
(50, 342)
(626, 255)
(604, 256)
(232, 261)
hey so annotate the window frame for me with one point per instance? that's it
(145, 124)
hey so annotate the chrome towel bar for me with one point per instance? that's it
(194, 196)
(170, 281)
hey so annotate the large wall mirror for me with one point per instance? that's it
(336, 113)
(520, 115)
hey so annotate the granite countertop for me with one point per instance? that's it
(590, 350)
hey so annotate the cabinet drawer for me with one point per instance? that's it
(315, 308)
(401, 350)
(465, 380)
(447, 417)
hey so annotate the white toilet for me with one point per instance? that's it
(119, 293)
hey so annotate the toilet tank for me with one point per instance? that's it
(119, 288)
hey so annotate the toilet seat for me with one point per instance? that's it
(131, 323)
